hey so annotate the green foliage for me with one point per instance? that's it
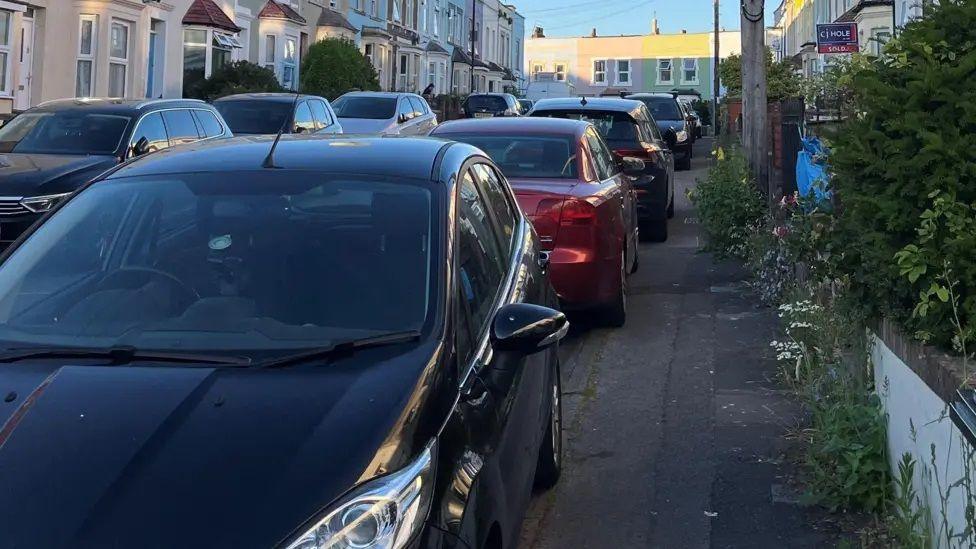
(909, 523)
(782, 82)
(236, 77)
(334, 66)
(729, 206)
(904, 170)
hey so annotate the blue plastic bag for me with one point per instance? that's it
(812, 179)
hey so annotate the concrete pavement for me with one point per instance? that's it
(674, 423)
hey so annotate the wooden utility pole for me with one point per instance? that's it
(715, 79)
(755, 127)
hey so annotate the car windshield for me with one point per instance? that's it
(663, 108)
(65, 132)
(486, 103)
(617, 128)
(249, 116)
(526, 156)
(372, 108)
(249, 262)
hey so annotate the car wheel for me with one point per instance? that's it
(615, 314)
(684, 163)
(550, 463)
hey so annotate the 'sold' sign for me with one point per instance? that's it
(837, 38)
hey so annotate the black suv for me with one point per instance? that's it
(490, 105)
(58, 146)
(673, 123)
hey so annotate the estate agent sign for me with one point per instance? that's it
(837, 38)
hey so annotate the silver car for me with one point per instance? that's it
(387, 113)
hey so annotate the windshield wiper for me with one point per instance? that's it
(119, 355)
(340, 348)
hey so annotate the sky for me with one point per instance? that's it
(578, 17)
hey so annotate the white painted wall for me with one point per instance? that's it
(909, 402)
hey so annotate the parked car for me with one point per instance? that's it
(525, 105)
(693, 121)
(268, 113)
(355, 347)
(579, 198)
(490, 105)
(630, 131)
(387, 113)
(549, 89)
(672, 123)
(56, 147)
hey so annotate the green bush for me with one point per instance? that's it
(905, 171)
(782, 82)
(236, 77)
(729, 205)
(334, 66)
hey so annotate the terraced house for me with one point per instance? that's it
(611, 65)
(51, 49)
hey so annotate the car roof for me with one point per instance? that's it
(520, 125)
(663, 95)
(590, 104)
(391, 95)
(117, 105)
(280, 97)
(492, 94)
(381, 156)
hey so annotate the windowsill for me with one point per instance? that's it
(599, 84)
(665, 83)
(690, 83)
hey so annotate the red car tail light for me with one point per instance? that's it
(577, 212)
(648, 152)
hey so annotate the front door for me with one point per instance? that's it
(26, 65)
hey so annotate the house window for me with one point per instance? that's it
(220, 54)
(194, 57)
(600, 71)
(5, 20)
(118, 59)
(456, 82)
(289, 68)
(85, 67)
(623, 72)
(689, 71)
(368, 52)
(269, 51)
(437, 18)
(403, 72)
(396, 11)
(432, 73)
(408, 16)
(664, 72)
(879, 36)
(560, 72)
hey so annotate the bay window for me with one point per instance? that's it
(269, 51)
(205, 51)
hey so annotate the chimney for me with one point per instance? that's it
(683, 31)
(538, 33)
(654, 27)
(593, 33)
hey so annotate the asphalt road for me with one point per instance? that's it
(674, 423)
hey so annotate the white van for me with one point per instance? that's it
(545, 86)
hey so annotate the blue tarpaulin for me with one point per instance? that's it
(812, 180)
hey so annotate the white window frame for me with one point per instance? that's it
(684, 71)
(121, 61)
(605, 72)
(556, 72)
(6, 48)
(436, 27)
(295, 62)
(670, 70)
(270, 46)
(619, 73)
(89, 57)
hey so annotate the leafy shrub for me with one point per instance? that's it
(904, 174)
(334, 66)
(782, 82)
(730, 207)
(236, 77)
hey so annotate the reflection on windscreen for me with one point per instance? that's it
(254, 117)
(527, 156)
(617, 128)
(663, 108)
(372, 108)
(486, 103)
(199, 263)
(67, 132)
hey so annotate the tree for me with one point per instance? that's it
(781, 80)
(334, 66)
(237, 77)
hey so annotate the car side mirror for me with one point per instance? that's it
(141, 147)
(631, 166)
(526, 329)
(671, 137)
(402, 118)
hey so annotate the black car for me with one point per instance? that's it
(52, 149)
(489, 105)
(268, 113)
(630, 131)
(526, 105)
(349, 343)
(673, 124)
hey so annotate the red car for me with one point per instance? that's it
(579, 197)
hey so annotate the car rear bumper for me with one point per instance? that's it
(652, 194)
(582, 279)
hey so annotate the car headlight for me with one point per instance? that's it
(383, 513)
(39, 204)
(682, 136)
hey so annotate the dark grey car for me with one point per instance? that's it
(268, 113)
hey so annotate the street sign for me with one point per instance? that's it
(837, 38)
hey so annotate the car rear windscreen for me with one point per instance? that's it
(66, 132)
(491, 103)
(617, 128)
(526, 156)
(663, 108)
(371, 108)
(250, 116)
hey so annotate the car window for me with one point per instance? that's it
(480, 270)
(180, 127)
(151, 127)
(603, 160)
(320, 114)
(663, 108)
(303, 119)
(491, 103)
(501, 208)
(618, 129)
(248, 116)
(526, 156)
(405, 108)
(371, 108)
(208, 121)
(68, 132)
(418, 109)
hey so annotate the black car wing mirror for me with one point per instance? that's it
(525, 328)
(141, 147)
(632, 166)
(402, 118)
(671, 137)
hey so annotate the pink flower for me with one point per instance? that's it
(781, 231)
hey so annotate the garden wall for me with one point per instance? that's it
(916, 385)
